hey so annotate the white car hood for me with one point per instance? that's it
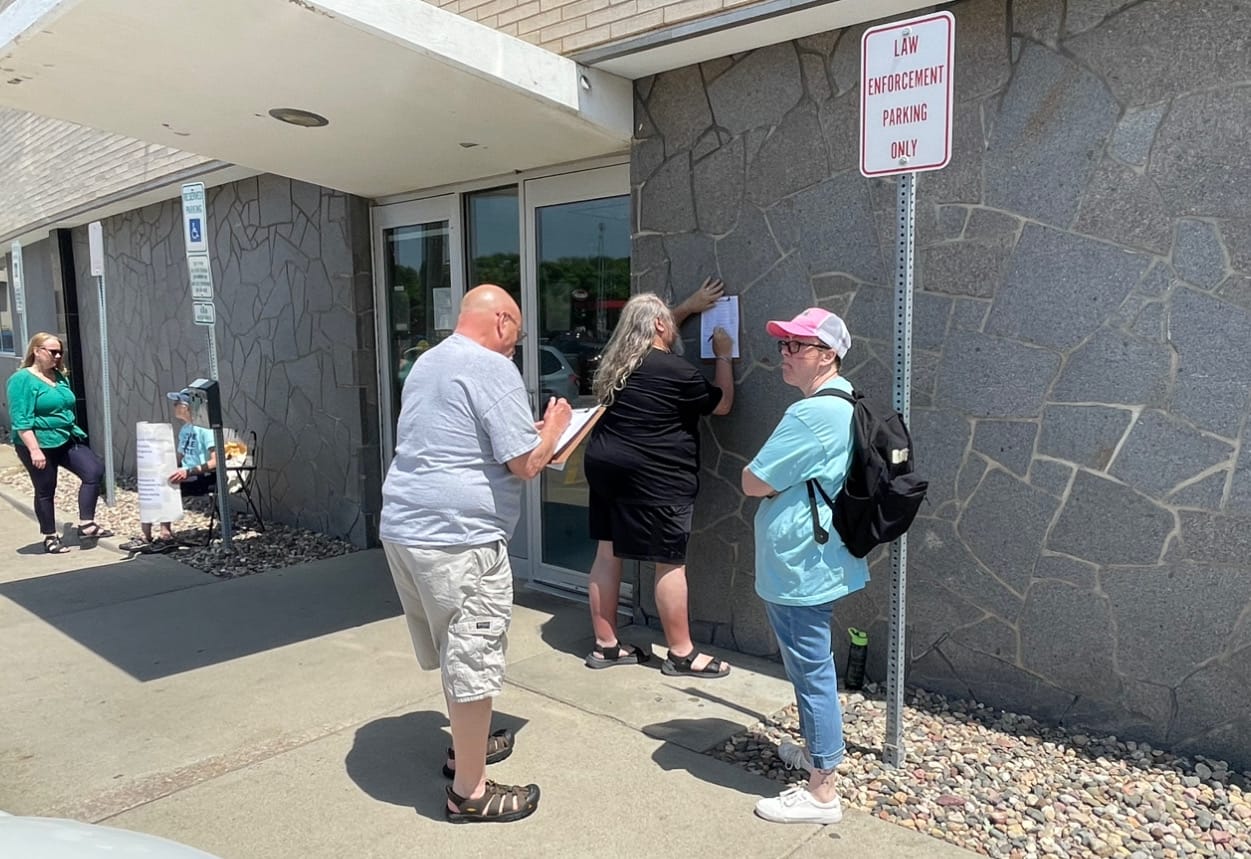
(50, 838)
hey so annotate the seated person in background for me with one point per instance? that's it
(196, 473)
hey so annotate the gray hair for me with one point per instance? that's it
(630, 342)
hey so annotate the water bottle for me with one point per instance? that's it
(854, 677)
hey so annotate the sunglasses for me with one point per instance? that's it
(55, 353)
(792, 347)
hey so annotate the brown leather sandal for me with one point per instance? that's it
(501, 803)
(499, 746)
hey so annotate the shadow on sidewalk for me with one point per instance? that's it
(153, 618)
(675, 756)
(398, 759)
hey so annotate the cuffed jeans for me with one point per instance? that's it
(803, 634)
(75, 457)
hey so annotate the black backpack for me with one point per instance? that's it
(881, 494)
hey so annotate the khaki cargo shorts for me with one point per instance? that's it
(458, 603)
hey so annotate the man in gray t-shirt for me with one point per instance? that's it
(466, 441)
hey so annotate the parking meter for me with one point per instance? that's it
(208, 392)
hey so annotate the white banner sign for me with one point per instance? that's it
(906, 95)
(155, 461)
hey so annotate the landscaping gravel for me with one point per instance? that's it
(254, 550)
(1000, 784)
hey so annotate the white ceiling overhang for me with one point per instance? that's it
(741, 28)
(415, 96)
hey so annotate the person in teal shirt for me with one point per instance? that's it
(196, 473)
(47, 437)
(798, 578)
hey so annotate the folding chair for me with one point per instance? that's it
(242, 462)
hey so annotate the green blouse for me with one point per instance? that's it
(46, 409)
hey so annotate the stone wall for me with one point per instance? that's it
(1080, 395)
(295, 339)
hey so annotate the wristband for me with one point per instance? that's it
(725, 358)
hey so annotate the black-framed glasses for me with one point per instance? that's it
(55, 353)
(792, 347)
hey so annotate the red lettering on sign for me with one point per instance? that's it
(904, 115)
(906, 45)
(929, 76)
(903, 148)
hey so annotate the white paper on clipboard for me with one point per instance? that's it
(723, 314)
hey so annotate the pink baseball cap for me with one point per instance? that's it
(818, 323)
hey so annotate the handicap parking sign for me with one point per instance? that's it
(193, 227)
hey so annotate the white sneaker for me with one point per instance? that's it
(795, 756)
(797, 805)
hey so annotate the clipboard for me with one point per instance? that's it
(723, 314)
(577, 431)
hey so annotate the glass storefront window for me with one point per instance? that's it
(419, 291)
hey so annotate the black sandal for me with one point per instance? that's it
(617, 654)
(499, 747)
(52, 545)
(682, 667)
(92, 531)
(502, 803)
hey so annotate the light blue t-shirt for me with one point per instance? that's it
(194, 444)
(813, 439)
(464, 414)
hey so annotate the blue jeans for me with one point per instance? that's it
(803, 634)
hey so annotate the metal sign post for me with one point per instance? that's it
(95, 243)
(204, 313)
(195, 235)
(905, 127)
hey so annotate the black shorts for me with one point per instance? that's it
(642, 533)
(198, 484)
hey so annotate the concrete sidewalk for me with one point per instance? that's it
(283, 715)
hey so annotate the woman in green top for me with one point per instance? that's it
(41, 409)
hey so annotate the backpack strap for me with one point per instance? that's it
(819, 534)
(837, 392)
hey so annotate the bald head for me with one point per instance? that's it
(490, 317)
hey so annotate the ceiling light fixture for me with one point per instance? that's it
(302, 118)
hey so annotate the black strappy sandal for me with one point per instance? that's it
(683, 667)
(499, 746)
(52, 545)
(502, 803)
(617, 654)
(92, 531)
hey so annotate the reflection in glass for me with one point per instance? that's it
(583, 282)
(493, 254)
(419, 289)
(494, 244)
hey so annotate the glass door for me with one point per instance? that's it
(577, 278)
(418, 287)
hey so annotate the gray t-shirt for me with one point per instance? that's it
(464, 413)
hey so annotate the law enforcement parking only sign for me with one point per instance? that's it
(906, 95)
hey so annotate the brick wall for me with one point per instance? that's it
(565, 26)
(48, 166)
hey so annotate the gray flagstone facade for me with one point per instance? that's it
(1080, 396)
(295, 329)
